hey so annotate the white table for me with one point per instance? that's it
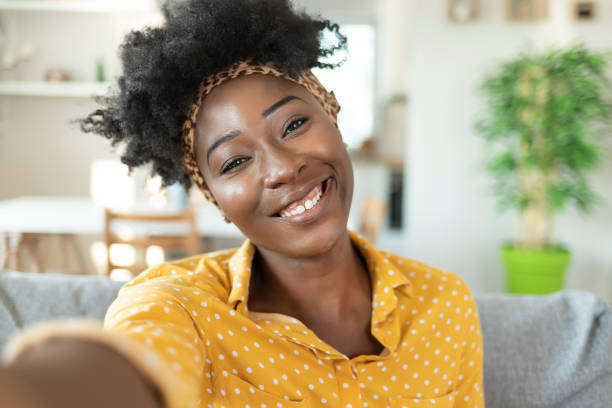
(71, 216)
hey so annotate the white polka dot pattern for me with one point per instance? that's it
(193, 315)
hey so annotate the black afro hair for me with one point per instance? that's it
(163, 67)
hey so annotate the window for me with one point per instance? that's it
(353, 84)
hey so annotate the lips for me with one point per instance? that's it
(305, 203)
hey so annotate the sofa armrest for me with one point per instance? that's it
(28, 298)
(547, 351)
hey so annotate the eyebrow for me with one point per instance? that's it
(233, 133)
(228, 136)
(278, 104)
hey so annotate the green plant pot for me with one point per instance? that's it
(535, 271)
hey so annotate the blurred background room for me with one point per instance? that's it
(411, 97)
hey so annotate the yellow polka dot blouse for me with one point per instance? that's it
(186, 325)
(193, 316)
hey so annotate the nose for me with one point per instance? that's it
(282, 166)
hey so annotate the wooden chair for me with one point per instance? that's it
(373, 212)
(30, 251)
(147, 230)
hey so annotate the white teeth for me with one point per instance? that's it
(309, 204)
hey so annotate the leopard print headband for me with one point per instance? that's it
(247, 67)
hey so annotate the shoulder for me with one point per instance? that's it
(428, 281)
(205, 275)
(439, 296)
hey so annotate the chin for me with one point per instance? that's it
(317, 242)
(320, 244)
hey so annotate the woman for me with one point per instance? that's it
(305, 313)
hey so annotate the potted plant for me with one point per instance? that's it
(546, 114)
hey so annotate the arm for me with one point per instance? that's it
(15, 392)
(469, 392)
(74, 373)
(146, 328)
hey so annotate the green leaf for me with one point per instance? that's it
(504, 162)
(558, 195)
(556, 104)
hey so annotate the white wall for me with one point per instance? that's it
(452, 222)
(340, 11)
(42, 151)
(450, 212)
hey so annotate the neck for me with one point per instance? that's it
(328, 283)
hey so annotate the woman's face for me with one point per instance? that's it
(276, 164)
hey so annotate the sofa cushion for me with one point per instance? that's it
(546, 351)
(27, 298)
(539, 351)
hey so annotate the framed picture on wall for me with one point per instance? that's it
(526, 10)
(583, 10)
(463, 11)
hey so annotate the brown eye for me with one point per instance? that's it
(295, 125)
(232, 164)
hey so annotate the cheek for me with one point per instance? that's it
(335, 151)
(329, 146)
(233, 190)
(233, 195)
(325, 141)
(227, 192)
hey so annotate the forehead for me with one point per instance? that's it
(249, 92)
(232, 103)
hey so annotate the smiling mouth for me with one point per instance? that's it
(305, 204)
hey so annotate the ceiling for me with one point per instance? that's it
(345, 6)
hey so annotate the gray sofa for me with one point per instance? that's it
(539, 351)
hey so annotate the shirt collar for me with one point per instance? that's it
(240, 276)
(386, 278)
(384, 275)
